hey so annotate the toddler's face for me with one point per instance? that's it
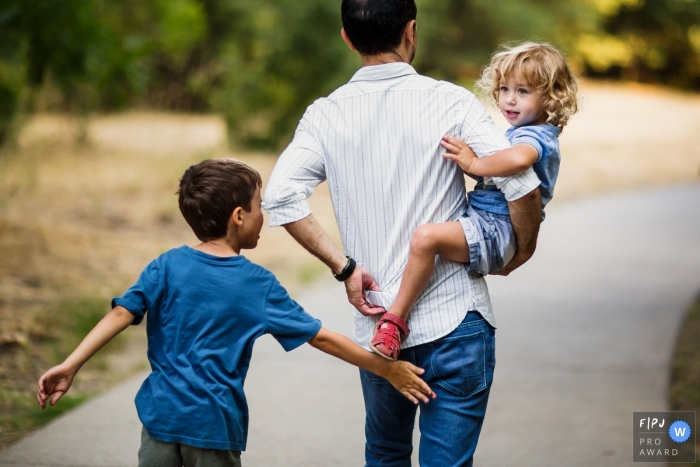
(520, 102)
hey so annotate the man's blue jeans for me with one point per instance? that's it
(459, 368)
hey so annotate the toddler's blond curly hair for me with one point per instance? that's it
(542, 67)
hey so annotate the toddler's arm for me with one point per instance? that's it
(402, 375)
(500, 164)
(58, 379)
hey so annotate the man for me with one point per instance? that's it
(376, 141)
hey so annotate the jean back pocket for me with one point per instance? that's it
(459, 363)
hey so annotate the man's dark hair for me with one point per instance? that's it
(376, 26)
(211, 190)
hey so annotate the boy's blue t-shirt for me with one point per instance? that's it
(204, 314)
(545, 139)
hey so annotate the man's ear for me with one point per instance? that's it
(347, 40)
(411, 32)
(236, 217)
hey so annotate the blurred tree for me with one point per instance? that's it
(274, 58)
(645, 40)
(457, 37)
(12, 67)
(261, 63)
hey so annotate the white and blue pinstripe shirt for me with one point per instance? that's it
(376, 140)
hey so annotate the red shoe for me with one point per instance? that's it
(388, 334)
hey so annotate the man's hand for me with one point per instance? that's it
(54, 382)
(355, 285)
(513, 264)
(309, 233)
(405, 377)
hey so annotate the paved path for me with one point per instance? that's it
(585, 338)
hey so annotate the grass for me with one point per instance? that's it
(685, 374)
(55, 332)
(26, 415)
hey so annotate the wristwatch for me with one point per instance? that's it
(347, 270)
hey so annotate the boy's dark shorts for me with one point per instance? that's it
(154, 453)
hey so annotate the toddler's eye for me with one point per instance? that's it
(504, 89)
(522, 91)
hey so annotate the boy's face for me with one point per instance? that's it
(252, 223)
(520, 102)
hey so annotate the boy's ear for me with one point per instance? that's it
(236, 217)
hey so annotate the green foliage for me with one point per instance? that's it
(457, 37)
(261, 63)
(273, 67)
(646, 40)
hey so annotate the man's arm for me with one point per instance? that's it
(402, 375)
(309, 234)
(525, 215)
(300, 168)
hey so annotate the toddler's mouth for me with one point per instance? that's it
(511, 114)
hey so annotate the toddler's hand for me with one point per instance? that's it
(458, 151)
(405, 378)
(54, 382)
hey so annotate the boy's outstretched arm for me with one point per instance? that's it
(402, 375)
(503, 163)
(58, 379)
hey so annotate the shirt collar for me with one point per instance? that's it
(383, 71)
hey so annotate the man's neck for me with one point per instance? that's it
(396, 56)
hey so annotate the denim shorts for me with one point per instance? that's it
(490, 238)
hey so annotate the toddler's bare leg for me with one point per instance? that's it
(447, 240)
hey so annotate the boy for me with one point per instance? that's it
(207, 305)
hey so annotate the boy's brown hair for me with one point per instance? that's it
(211, 190)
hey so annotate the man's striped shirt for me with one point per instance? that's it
(376, 141)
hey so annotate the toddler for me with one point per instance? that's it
(535, 91)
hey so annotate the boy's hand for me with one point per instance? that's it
(405, 378)
(54, 382)
(458, 151)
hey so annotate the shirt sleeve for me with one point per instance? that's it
(139, 297)
(485, 138)
(299, 169)
(286, 319)
(529, 136)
